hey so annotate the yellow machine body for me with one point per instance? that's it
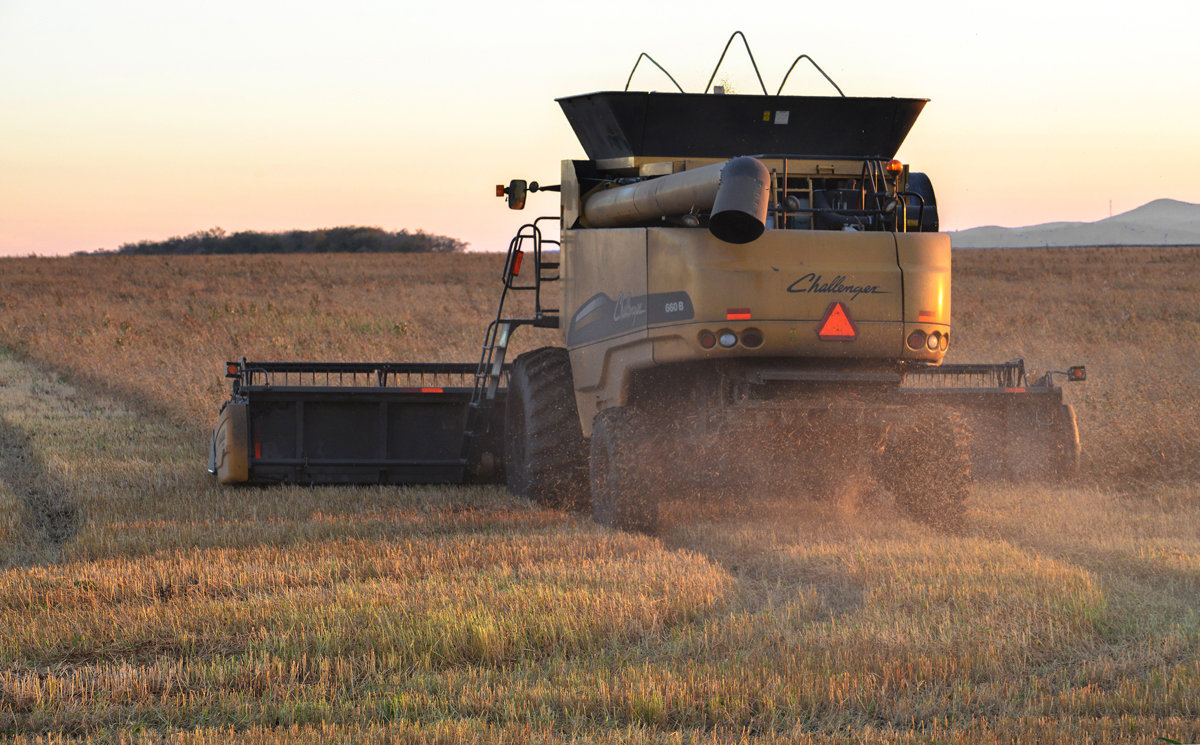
(635, 298)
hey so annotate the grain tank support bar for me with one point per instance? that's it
(737, 192)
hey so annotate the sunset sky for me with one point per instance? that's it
(122, 121)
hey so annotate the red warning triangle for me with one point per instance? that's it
(836, 325)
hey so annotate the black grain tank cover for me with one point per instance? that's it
(696, 125)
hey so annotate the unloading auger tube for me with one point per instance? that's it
(737, 192)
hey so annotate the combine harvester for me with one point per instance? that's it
(753, 289)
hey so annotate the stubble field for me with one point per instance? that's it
(138, 600)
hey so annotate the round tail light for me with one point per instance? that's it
(752, 338)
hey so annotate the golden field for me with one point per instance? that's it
(139, 602)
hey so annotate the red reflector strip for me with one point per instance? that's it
(737, 314)
(925, 316)
(431, 390)
(516, 264)
(1014, 390)
(422, 390)
(836, 325)
(258, 451)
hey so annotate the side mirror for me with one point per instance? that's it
(515, 191)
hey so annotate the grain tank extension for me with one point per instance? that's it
(753, 292)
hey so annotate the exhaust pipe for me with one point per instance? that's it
(735, 192)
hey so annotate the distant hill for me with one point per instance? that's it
(1163, 222)
(324, 240)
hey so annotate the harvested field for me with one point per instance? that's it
(138, 601)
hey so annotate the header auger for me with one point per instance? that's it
(752, 285)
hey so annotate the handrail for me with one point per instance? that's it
(664, 70)
(814, 64)
(752, 62)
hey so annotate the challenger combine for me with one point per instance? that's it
(753, 290)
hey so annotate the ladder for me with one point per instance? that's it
(492, 368)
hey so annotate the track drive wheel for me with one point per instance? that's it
(925, 463)
(544, 457)
(622, 497)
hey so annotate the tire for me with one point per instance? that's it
(622, 497)
(1042, 443)
(925, 464)
(544, 455)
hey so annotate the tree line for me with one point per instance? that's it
(324, 240)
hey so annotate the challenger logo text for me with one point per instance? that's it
(837, 286)
(626, 307)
